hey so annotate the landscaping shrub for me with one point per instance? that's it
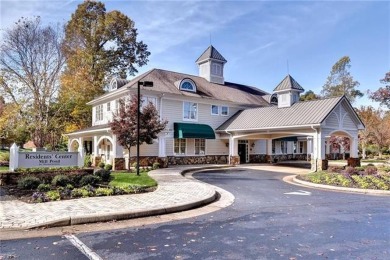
(134, 164)
(349, 171)
(39, 197)
(4, 157)
(87, 161)
(43, 187)
(371, 170)
(53, 195)
(104, 192)
(156, 165)
(101, 165)
(60, 180)
(108, 167)
(336, 169)
(28, 183)
(89, 179)
(103, 174)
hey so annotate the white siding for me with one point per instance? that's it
(216, 147)
(260, 147)
(332, 120)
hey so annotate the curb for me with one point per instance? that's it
(343, 189)
(129, 214)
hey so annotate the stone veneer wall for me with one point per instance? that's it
(208, 159)
(258, 158)
(287, 157)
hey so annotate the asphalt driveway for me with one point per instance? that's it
(270, 219)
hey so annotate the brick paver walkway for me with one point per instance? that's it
(174, 193)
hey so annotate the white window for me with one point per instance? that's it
(109, 106)
(99, 112)
(200, 146)
(225, 111)
(146, 100)
(214, 110)
(187, 85)
(216, 69)
(190, 111)
(283, 147)
(180, 146)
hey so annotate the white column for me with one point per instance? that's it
(13, 157)
(81, 152)
(233, 146)
(354, 147)
(161, 146)
(95, 146)
(327, 146)
(269, 146)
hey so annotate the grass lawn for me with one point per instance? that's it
(4, 168)
(124, 179)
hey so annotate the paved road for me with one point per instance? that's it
(269, 219)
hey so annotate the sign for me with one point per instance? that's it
(47, 159)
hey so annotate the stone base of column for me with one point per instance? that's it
(268, 158)
(163, 161)
(96, 160)
(234, 160)
(353, 162)
(319, 165)
(119, 164)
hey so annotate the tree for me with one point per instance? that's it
(369, 117)
(381, 131)
(340, 82)
(124, 123)
(382, 95)
(309, 95)
(98, 45)
(31, 61)
(340, 142)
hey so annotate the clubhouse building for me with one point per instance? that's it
(212, 121)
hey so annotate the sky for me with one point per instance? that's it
(262, 41)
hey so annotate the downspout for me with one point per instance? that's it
(316, 165)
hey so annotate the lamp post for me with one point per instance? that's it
(144, 84)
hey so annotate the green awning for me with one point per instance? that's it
(188, 130)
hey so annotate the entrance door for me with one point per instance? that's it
(242, 152)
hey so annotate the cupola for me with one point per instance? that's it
(288, 92)
(210, 65)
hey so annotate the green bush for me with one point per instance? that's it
(156, 165)
(134, 164)
(104, 192)
(28, 183)
(103, 174)
(101, 165)
(108, 167)
(87, 160)
(89, 179)
(4, 157)
(53, 195)
(60, 180)
(43, 187)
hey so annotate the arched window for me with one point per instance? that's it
(274, 99)
(187, 85)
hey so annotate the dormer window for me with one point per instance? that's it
(187, 85)
(216, 69)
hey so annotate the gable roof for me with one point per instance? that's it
(211, 53)
(164, 82)
(288, 83)
(299, 114)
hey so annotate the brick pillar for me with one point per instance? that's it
(353, 162)
(234, 160)
(119, 164)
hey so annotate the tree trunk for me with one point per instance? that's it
(363, 152)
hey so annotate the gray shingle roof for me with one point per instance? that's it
(211, 53)
(164, 81)
(288, 83)
(301, 113)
